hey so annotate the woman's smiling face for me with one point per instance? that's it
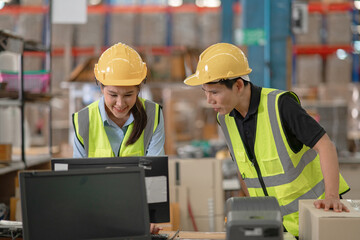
(119, 100)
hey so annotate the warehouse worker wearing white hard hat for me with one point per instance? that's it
(279, 149)
(120, 123)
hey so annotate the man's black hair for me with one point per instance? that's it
(229, 83)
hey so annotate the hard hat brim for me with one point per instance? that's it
(193, 80)
(128, 82)
(115, 82)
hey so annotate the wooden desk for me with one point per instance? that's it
(196, 235)
(183, 235)
(210, 235)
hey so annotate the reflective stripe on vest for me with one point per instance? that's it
(152, 112)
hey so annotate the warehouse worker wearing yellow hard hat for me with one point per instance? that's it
(279, 149)
(120, 123)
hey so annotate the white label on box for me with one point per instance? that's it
(60, 167)
(69, 11)
(156, 189)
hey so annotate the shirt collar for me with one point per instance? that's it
(254, 103)
(105, 118)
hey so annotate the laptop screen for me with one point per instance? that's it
(85, 204)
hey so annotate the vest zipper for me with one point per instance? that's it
(261, 180)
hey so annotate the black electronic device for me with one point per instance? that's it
(85, 204)
(156, 177)
(253, 218)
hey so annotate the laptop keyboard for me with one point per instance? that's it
(159, 236)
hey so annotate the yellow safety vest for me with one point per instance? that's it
(286, 175)
(90, 131)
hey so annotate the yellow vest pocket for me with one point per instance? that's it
(272, 166)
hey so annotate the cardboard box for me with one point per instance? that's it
(91, 34)
(5, 152)
(209, 24)
(184, 29)
(313, 35)
(122, 28)
(317, 224)
(338, 26)
(338, 71)
(309, 69)
(148, 35)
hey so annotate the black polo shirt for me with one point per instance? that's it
(299, 127)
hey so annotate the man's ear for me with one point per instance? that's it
(239, 84)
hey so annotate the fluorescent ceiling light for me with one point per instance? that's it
(3, 2)
(341, 54)
(357, 4)
(208, 3)
(94, 2)
(175, 3)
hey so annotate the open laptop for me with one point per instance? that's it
(85, 204)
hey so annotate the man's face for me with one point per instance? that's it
(119, 100)
(221, 99)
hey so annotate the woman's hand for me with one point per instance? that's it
(154, 229)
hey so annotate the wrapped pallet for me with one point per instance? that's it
(91, 34)
(309, 70)
(61, 64)
(338, 71)
(7, 21)
(209, 28)
(31, 26)
(338, 28)
(122, 28)
(313, 35)
(33, 2)
(62, 35)
(153, 27)
(184, 28)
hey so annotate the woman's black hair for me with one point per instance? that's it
(140, 120)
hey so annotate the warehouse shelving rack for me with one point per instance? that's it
(23, 48)
(325, 49)
(157, 50)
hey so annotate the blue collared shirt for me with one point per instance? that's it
(116, 135)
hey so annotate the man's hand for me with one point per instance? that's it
(331, 203)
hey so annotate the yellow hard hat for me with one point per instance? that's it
(120, 65)
(219, 61)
